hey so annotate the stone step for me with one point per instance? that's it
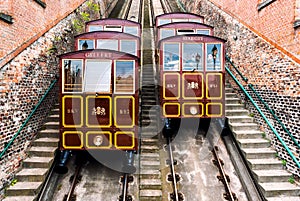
(243, 126)
(150, 195)
(42, 151)
(53, 117)
(234, 106)
(277, 189)
(263, 176)
(55, 110)
(49, 133)
(240, 119)
(265, 164)
(149, 149)
(253, 153)
(52, 125)
(46, 142)
(153, 164)
(253, 143)
(232, 101)
(250, 134)
(24, 189)
(241, 112)
(150, 128)
(22, 198)
(32, 174)
(228, 90)
(38, 162)
(152, 184)
(230, 95)
(284, 198)
(149, 156)
(149, 141)
(150, 174)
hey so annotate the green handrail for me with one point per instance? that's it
(181, 5)
(236, 69)
(265, 104)
(274, 115)
(264, 117)
(28, 118)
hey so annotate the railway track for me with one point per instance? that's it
(156, 181)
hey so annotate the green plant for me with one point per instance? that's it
(93, 6)
(276, 155)
(78, 25)
(263, 135)
(85, 16)
(291, 179)
(283, 162)
(251, 115)
(13, 182)
(59, 187)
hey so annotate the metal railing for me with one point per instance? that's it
(261, 113)
(27, 119)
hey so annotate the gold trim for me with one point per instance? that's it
(164, 86)
(72, 132)
(183, 86)
(220, 86)
(124, 133)
(63, 112)
(164, 110)
(87, 114)
(99, 133)
(214, 115)
(191, 104)
(133, 111)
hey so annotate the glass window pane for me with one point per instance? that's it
(129, 47)
(166, 33)
(163, 21)
(124, 79)
(86, 44)
(131, 30)
(213, 56)
(97, 76)
(180, 20)
(192, 57)
(107, 44)
(171, 56)
(95, 28)
(72, 70)
(203, 31)
(195, 20)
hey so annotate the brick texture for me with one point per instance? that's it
(29, 20)
(270, 68)
(26, 77)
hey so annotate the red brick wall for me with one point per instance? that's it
(274, 22)
(30, 20)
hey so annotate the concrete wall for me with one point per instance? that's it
(28, 75)
(273, 71)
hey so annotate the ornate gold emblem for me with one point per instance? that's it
(99, 111)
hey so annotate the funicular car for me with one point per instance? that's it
(109, 40)
(98, 100)
(192, 76)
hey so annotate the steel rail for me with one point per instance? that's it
(127, 11)
(225, 180)
(172, 169)
(125, 187)
(74, 182)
